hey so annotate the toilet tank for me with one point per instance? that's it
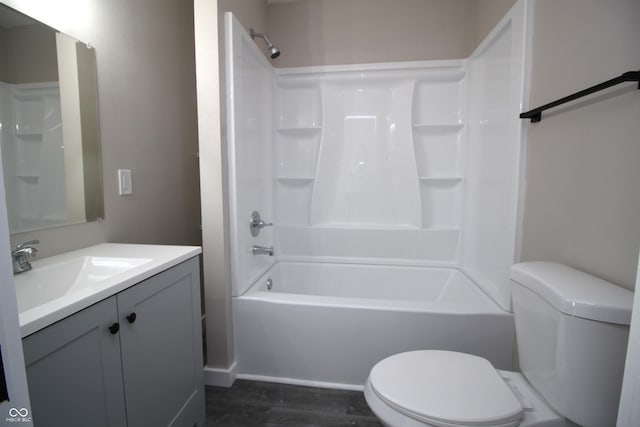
(572, 330)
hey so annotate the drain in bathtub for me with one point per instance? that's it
(269, 284)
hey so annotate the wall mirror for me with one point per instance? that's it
(49, 127)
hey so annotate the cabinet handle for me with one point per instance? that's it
(132, 317)
(114, 328)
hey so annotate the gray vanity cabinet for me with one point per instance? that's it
(74, 371)
(149, 372)
(162, 349)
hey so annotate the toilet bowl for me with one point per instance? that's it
(572, 331)
(450, 389)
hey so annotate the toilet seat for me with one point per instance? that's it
(445, 388)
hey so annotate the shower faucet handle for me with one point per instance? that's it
(256, 223)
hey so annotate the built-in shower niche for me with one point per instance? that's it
(296, 137)
(33, 155)
(438, 150)
(438, 131)
(296, 157)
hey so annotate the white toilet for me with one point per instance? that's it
(572, 330)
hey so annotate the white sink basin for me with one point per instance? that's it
(64, 284)
(77, 275)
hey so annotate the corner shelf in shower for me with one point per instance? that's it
(441, 198)
(443, 180)
(298, 130)
(31, 136)
(295, 179)
(438, 127)
(28, 177)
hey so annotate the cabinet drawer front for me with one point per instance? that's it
(162, 346)
(74, 370)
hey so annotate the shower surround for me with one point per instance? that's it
(371, 156)
(412, 166)
(32, 152)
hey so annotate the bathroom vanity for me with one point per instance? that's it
(130, 351)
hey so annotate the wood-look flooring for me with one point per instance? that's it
(254, 403)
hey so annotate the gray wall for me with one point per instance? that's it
(582, 200)
(327, 32)
(29, 54)
(486, 14)
(146, 83)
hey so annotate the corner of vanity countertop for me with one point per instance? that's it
(158, 258)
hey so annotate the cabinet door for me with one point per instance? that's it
(162, 349)
(74, 370)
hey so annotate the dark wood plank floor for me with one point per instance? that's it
(252, 403)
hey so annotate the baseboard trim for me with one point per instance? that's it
(219, 377)
(295, 381)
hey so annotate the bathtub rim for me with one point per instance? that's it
(483, 305)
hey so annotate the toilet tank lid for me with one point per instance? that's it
(574, 292)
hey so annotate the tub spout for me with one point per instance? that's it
(262, 250)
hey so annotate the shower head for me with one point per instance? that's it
(274, 52)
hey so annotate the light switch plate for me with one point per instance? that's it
(125, 184)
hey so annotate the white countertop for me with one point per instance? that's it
(78, 291)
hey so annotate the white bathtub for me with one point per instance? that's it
(327, 324)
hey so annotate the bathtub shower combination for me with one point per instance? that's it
(393, 193)
(32, 155)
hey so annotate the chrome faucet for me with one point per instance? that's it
(256, 223)
(22, 254)
(262, 250)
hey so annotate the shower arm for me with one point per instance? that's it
(253, 35)
(274, 52)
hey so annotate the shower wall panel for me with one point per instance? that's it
(369, 162)
(33, 155)
(495, 155)
(249, 102)
(366, 175)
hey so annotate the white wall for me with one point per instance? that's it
(629, 412)
(10, 340)
(582, 199)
